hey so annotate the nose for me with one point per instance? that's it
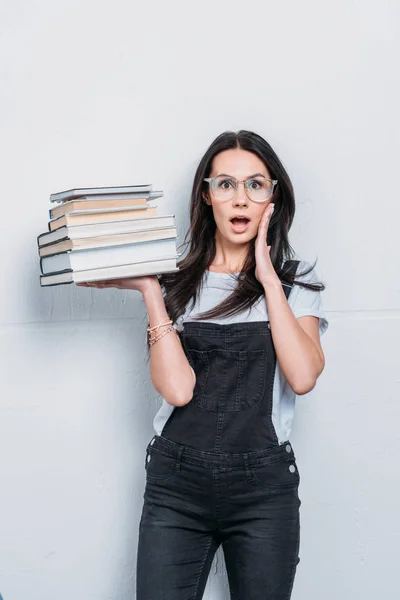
(241, 196)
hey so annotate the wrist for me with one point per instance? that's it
(151, 289)
(271, 284)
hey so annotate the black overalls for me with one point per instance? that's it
(218, 475)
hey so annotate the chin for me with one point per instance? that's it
(244, 238)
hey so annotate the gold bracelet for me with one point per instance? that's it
(167, 321)
(153, 332)
(155, 339)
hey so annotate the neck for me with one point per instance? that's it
(228, 257)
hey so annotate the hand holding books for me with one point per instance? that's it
(128, 283)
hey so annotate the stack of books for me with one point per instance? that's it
(106, 233)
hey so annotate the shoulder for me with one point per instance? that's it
(308, 302)
(310, 272)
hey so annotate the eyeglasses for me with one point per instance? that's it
(258, 189)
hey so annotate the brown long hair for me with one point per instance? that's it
(183, 286)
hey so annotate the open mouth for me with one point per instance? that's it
(239, 224)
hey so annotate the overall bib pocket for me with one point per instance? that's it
(228, 380)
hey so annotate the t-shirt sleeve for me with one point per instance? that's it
(305, 302)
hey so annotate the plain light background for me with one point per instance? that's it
(118, 93)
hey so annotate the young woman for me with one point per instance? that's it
(233, 336)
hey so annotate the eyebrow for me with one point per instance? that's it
(248, 177)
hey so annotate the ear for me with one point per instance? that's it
(205, 198)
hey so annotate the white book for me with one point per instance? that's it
(102, 241)
(96, 258)
(146, 195)
(157, 267)
(75, 193)
(114, 227)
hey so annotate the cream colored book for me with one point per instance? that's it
(102, 217)
(102, 241)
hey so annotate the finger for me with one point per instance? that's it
(109, 283)
(263, 227)
(100, 283)
(92, 284)
(268, 212)
(266, 218)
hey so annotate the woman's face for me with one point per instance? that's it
(241, 165)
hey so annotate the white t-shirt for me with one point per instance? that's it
(216, 287)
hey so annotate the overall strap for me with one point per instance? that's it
(290, 266)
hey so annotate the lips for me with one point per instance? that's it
(239, 217)
(239, 224)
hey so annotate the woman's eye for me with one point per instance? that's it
(254, 184)
(225, 184)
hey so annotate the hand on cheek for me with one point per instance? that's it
(264, 268)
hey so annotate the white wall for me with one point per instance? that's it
(99, 93)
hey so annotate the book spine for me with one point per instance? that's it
(75, 193)
(65, 238)
(44, 277)
(58, 272)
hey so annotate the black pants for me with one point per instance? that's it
(194, 501)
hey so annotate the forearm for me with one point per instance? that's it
(170, 371)
(300, 359)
